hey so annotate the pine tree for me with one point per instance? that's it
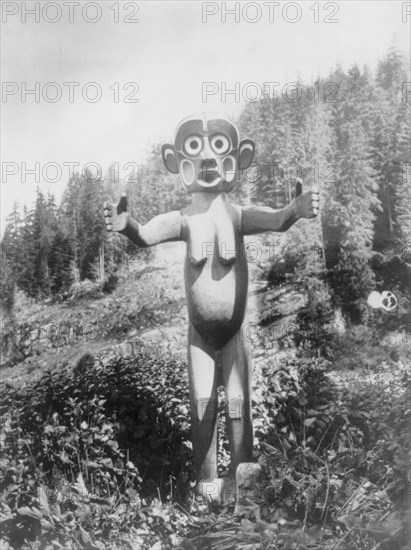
(42, 237)
(69, 222)
(11, 243)
(351, 201)
(391, 146)
(91, 225)
(26, 280)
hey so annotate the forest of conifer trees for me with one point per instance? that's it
(350, 136)
(95, 439)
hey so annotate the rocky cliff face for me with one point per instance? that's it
(273, 314)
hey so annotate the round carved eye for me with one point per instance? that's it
(193, 145)
(220, 144)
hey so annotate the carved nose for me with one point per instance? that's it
(209, 170)
(206, 152)
(208, 164)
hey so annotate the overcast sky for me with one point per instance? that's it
(173, 49)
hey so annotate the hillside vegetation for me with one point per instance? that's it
(95, 439)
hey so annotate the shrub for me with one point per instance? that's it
(86, 289)
(82, 448)
(352, 280)
(110, 283)
(285, 265)
(315, 331)
(98, 457)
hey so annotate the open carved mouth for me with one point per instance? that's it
(209, 171)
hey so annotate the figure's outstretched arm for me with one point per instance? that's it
(258, 219)
(160, 229)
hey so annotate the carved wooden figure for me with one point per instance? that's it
(208, 154)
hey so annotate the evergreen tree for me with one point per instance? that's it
(349, 134)
(91, 224)
(351, 200)
(42, 236)
(70, 221)
(26, 280)
(391, 146)
(11, 243)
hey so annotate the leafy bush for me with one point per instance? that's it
(283, 267)
(110, 283)
(7, 286)
(104, 435)
(295, 403)
(394, 274)
(100, 457)
(391, 272)
(315, 330)
(352, 280)
(326, 454)
(86, 289)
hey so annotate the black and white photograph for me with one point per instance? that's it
(205, 275)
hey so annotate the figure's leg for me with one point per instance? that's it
(202, 375)
(237, 372)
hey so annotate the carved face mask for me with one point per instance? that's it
(208, 154)
(386, 300)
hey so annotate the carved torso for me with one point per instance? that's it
(216, 273)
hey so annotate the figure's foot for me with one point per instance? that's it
(248, 483)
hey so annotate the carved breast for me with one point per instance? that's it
(216, 274)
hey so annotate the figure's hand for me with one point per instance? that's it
(116, 216)
(307, 204)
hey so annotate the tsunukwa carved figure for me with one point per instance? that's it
(208, 154)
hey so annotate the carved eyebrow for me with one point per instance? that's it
(195, 126)
(217, 125)
(187, 128)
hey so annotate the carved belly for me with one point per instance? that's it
(216, 274)
(216, 299)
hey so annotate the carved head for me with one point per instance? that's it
(208, 154)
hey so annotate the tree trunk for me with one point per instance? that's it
(101, 269)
